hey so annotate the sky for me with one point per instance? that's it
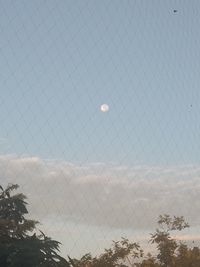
(59, 62)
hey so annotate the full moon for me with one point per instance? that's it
(104, 108)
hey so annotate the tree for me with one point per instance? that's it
(19, 246)
(187, 257)
(166, 245)
(150, 261)
(171, 253)
(122, 254)
(22, 245)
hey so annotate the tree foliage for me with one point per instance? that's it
(22, 246)
(19, 246)
(121, 254)
(170, 252)
(166, 245)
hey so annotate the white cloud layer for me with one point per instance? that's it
(103, 195)
(100, 194)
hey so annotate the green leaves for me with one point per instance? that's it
(17, 247)
(124, 253)
(20, 246)
(172, 223)
(121, 254)
(165, 244)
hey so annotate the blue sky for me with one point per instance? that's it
(60, 60)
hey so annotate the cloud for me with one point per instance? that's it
(87, 206)
(187, 237)
(102, 195)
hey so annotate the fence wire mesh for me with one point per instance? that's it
(93, 176)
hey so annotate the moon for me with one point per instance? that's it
(104, 108)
